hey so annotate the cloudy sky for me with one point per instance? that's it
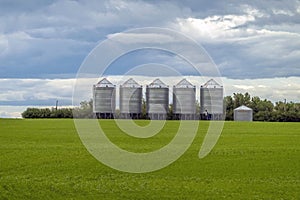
(255, 44)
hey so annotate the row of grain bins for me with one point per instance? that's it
(157, 100)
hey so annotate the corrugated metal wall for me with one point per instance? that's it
(243, 115)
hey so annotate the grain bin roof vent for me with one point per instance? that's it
(211, 84)
(243, 108)
(131, 83)
(104, 83)
(184, 84)
(157, 83)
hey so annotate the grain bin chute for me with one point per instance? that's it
(243, 113)
(184, 100)
(104, 99)
(157, 98)
(131, 94)
(211, 100)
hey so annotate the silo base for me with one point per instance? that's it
(130, 116)
(157, 116)
(215, 116)
(184, 116)
(104, 115)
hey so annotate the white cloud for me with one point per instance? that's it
(36, 37)
(253, 11)
(274, 89)
(262, 86)
(215, 28)
(244, 87)
(16, 111)
(11, 111)
(229, 28)
(283, 12)
(35, 89)
(40, 89)
(243, 47)
(131, 38)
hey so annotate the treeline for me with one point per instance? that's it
(85, 110)
(263, 110)
(47, 113)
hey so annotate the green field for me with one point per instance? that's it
(45, 159)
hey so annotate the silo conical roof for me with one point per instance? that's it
(131, 83)
(104, 83)
(184, 84)
(243, 108)
(157, 83)
(211, 84)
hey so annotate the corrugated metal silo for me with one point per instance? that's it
(131, 94)
(157, 98)
(243, 113)
(211, 101)
(184, 100)
(104, 95)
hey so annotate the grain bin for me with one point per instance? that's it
(211, 101)
(131, 94)
(243, 113)
(157, 99)
(184, 100)
(104, 95)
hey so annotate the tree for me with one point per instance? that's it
(31, 113)
(284, 112)
(229, 105)
(85, 110)
(241, 99)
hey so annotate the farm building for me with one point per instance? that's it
(131, 94)
(157, 100)
(211, 101)
(184, 100)
(243, 113)
(104, 96)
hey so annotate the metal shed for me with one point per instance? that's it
(243, 113)
(211, 101)
(157, 99)
(131, 94)
(104, 99)
(184, 100)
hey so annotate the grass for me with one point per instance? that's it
(45, 159)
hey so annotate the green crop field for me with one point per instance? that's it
(45, 159)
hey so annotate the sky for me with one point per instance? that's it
(254, 44)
